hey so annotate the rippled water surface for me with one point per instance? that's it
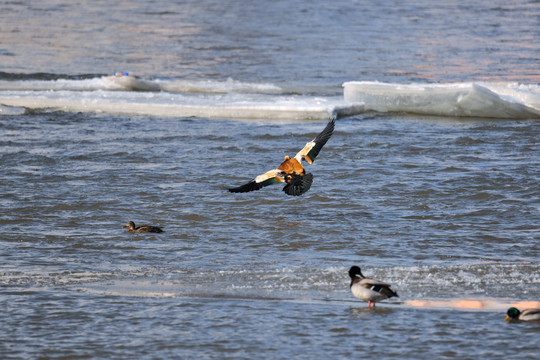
(444, 209)
(277, 41)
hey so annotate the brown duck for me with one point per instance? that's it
(291, 170)
(144, 228)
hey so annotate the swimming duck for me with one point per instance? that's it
(144, 228)
(291, 170)
(525, 315)
(368, 289)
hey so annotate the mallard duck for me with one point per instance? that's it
(144, 228)
(368, 289)
(291, 170)
(525, 315)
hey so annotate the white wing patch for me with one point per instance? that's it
(302, 153)
(275, 173)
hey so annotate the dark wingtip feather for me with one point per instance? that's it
(327, 132)
(321, 139)
(250, 186)
(389, 292)
(253, 185)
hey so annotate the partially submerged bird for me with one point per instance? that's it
(291, 170)
(368, 289)
(144, 228)
(525, 315)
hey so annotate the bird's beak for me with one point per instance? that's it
(125, 226)
(507, 318)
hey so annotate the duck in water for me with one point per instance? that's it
(514, 314)
(369, 290)
(144, 228)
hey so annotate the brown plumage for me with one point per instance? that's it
(144, 228)
(291, 171)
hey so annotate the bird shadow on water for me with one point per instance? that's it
(362, 312)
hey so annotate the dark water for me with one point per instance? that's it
(444, 209)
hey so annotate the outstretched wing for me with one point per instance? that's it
(271, 177)
(312, 148)
(298, 185)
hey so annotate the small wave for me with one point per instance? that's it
(11, 110)
(43, 76)
(487, 100)
(219, 87)
(129, 82)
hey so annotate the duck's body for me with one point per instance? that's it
(369, 290)
(514, 314)
(144, 228)
(291, 171)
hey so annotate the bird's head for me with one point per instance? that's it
(512, 313)
(355, 272)
(130, 225)
(288, 178)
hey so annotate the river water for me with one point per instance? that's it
(445, 208)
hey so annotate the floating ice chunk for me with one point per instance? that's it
(464, 99)
(235, 106)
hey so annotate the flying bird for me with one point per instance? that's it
(291, 172)
(369, 290)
